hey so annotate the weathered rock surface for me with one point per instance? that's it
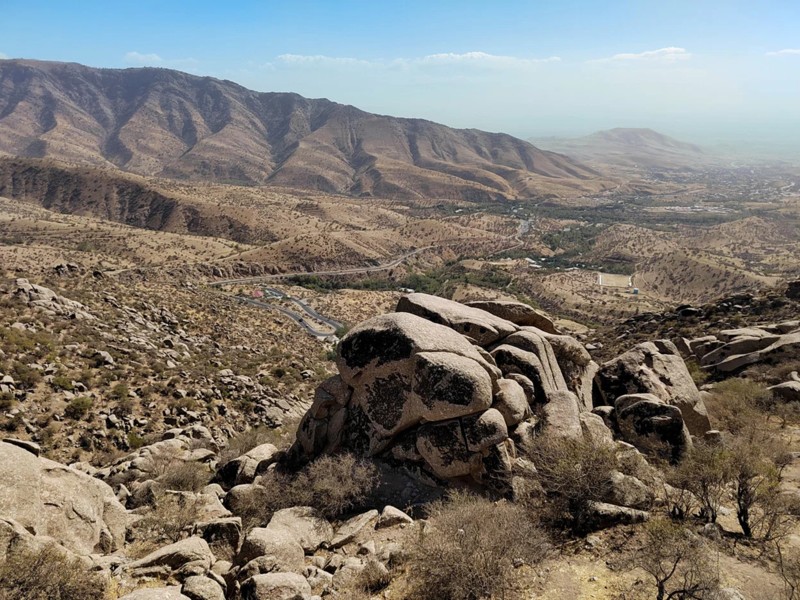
(303, 524)
(654, 368)
(192, 551)
(50, 499)
(276, 586)
(517, 313)
(479, 325)
(645, 421)
(453, 390)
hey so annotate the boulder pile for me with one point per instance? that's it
(454, 390)
(731, 350)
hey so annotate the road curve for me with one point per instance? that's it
(292, 315)
(353, 271)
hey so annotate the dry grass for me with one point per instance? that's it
(472, 548)
(47, 574)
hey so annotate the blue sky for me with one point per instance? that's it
(701, 69)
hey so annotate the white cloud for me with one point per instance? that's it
(481, 58)
(785, 52)
(663, 55)
(319, 59)
(137, 58)
(3, 56)
(476, 60)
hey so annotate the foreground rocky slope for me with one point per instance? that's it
(435, 397)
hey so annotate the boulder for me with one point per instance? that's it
(481, 326)
(350, 529)
(276, 586)
(602, 515)
(511, 401)
(172, 592)
(625, 490)
(277, 542)
(788, 391)
(785, 346)
(517, 313)
(223, 535)
(391, 516)
(50, 499)
(192, 551)
(243, 469)
(655, 368)
(652, 426)
(443, 447)
(303, 524)
(743, 344)
(577, 367)
(198, 587)
(595, 430)
(562, 416)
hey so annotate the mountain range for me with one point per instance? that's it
(165, 123)
(628, 147)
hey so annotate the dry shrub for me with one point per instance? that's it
(373, 578)
(736, 404)
(574, 473)
(680, 563)
(470, 547)
(333, 485)
(280, 437)
(170, 519)
(48, 574)
(186, 476)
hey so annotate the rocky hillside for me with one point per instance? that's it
(171, 124)
(604, 460)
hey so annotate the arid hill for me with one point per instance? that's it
(159, 122)
(629, 147)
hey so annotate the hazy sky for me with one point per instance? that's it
(701, 69)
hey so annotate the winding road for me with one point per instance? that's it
(352, 271)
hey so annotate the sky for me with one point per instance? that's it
(704, 70)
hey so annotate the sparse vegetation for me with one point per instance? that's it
(48, 574)
(471, 548)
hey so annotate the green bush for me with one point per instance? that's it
(62, 382)
(78, 407)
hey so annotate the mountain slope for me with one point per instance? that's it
(643, 148)
(159, 122)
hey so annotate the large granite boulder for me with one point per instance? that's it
(517, 313)
(450, 389)
(479, 325)
(654, 368)
(651, 425)
(54, 500)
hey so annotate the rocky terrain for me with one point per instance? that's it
(344, 482)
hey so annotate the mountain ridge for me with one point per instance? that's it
(636, 147)
(161, 122)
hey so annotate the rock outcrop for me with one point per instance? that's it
(448, 388)
(53, 500)
(655, 368)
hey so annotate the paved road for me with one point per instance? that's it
(353, 271)
(305, 307)
(292, 315)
